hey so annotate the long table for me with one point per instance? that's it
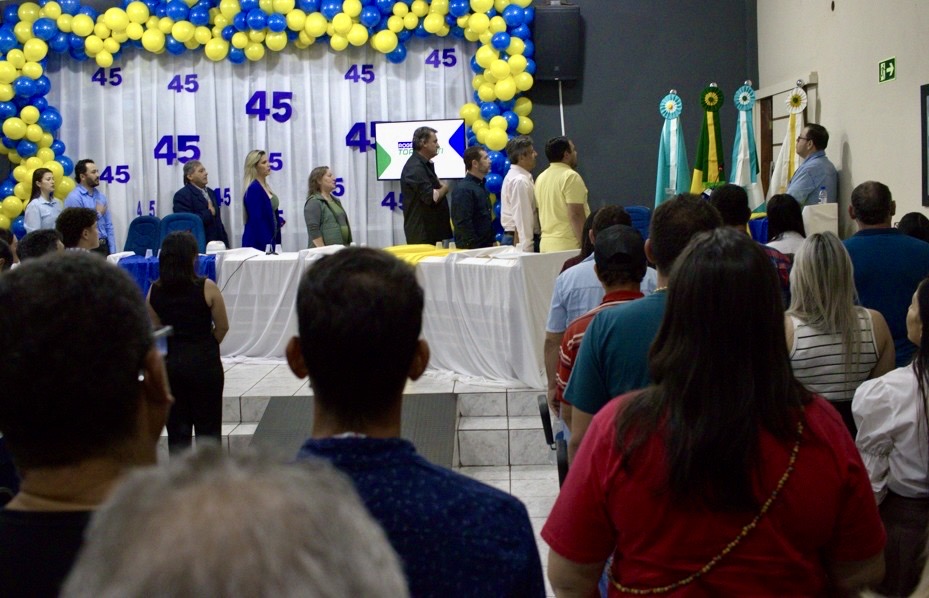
(484, 315)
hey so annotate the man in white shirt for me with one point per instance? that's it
(519, 214)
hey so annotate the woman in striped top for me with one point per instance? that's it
(834, 345)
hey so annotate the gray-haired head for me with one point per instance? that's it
(212, 525)
(189, 167)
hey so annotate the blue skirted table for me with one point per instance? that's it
(144, 270)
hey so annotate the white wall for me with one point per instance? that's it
(874, 128)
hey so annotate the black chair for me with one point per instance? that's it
(560, 446)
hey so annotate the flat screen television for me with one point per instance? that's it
(394, 145)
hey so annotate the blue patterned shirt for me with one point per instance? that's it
(455, 536)
(82, 198)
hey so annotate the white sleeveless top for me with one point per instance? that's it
(818, 359)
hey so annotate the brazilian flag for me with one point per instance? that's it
(709, 167)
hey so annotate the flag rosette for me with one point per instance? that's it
(711, 99)
(745, 98)
(671, 106)
(796, 102)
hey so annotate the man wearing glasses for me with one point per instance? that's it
(816, 171)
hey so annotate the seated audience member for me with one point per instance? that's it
(785, 224)
(73, 426)
(891, 413)
(725, 477)
(613, 359)
(11, 240)
(6, 256)
(38, 243)
(78, 228)
(212, 525)
(619, 256)
(834, 345)
(587, 246)
(732, 203)
(888, 264)
(360, 316)
(915, 225)
(577, 291)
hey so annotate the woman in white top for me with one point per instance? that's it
(893, 438)
(785, 224)
(834, 346)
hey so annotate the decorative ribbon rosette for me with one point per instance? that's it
(745, 98)
(796, 103)
(711, 99)
(671, 106)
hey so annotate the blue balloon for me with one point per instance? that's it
(236, 55)
(513, 15)
(475, 67)
(173, 46)
(11, 13)
(385, 6)
(69, 7)
(500, 40)
(177, 10)
(370, 16)
(199, 16)
(496, 160)
(256, 19)
(8, 143)
(59, 43)
(24, 86)
(497, 208)
(44, 29)
(529, 50)
(6, 188)
(458, 8)
(76, 41)
(152, 5)
(239, 22)
(404, 35)
(26, 148)
(20, 102)
(420, 30)
(512, 120)
(308, 6)
(66, 164)
(160, 10)
(248, 5)
(7, 40)
(458, 32)
(7, 109)
(40, 103)
(506, 167)
(293, 35)
(493, 182)
(89, 11)
(18, 226)
(50, 120)
(58, 146)
(522, 32)
(77, 54)
(330, 9)
(42, 86)
(489, 110)
(528, 15)
(228, 32)
(398, 55)
(277, 22)
(530, 66)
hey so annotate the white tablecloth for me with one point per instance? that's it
(819, 218)
(484, 316)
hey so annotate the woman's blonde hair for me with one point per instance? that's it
(251, 173)
(313, 182)
(822, 289)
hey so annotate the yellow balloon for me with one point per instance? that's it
(523, 106)
(303, 37)
(118, 37)
(497, 24)
(481, 5)
(525, 125)
(477, 81)
(46, 140)
(338, 43)
(498, 122)
(153, 40)
(7, 72)
(315, 24)
(229, 8)
(104, 59)
(523, 81)
(517, 46)
(486, 93)
(444, 31)
(479, 124)
(35, 50)
(495, 139)
(521, 3)
(4, 222)
(183, 31)
(56, 168)
(14, 128)
(500, 69)
(257, 36)
(29, 115)
(45, 154)
(489, 77)
(386, 41)
(19, 173)
(266, 5)
(463, 21)
(239, 40)
(419, 8)
(16, 58)
(470, 113)
(11, 207)
(52, 10)
(471, 35)
(165, 24)
(486, 37)
(13, 157)
(296, 19)
(517, 64)
(254, 51)
(505, 89)
(82, 25)
(395, 23)
(137, 12)
(28, 11)
(33, 70)
(6, 92)
(34, 134)
(439, 6)
(221, 21)
(276, 41)
(357, 35)
(433, 22)
(64, 186)
(21, 191)
(400, 9)
(351, 7)
(32, 163)
(478, 23)
(203, 35)
(216, 49)
(410, 21)
(101, 30)
(485, 56)
(499, 5)
(152, 22)
(93, 45)
(64, 23)
(23, 31)
(135, 31)
(342, 23)
(193, 44)
(285, 6)
(116, 19)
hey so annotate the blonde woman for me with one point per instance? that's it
(326, 220)
(834, 345)
(262, 224)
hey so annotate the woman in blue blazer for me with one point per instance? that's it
(262, 224)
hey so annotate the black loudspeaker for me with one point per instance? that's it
(558, 42)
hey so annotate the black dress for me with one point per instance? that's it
(195, 370)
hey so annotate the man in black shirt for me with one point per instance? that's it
(471, 203)
(425, 208)
(85, 397)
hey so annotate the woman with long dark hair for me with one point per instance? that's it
(194, 308)
(785, 224)
(43, 209)
(726, 476)
(892, 413)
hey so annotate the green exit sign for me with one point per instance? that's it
(887, 70)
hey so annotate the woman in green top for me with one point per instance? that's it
(326, 221)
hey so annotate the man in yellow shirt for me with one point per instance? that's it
(562, 198)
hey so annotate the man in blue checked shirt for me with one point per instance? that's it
(86, 195)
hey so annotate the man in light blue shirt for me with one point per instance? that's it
(86, 195)
(816, 171)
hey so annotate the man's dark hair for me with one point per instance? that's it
(38, 243)
(818, 135)
(608, 216)
(517, 147)
(59, 407)
(80, 169)
(674, 223)
(360, 313)
(421, 136)
(472, 155)
(626, 268)
(915, 225)
(72, 222)
(732, 203)
(6, 254)
(556, 148)
(872, 203)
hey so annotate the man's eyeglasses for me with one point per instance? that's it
(802, 138)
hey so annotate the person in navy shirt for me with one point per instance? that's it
(359, 317)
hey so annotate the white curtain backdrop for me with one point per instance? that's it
(121, 125)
